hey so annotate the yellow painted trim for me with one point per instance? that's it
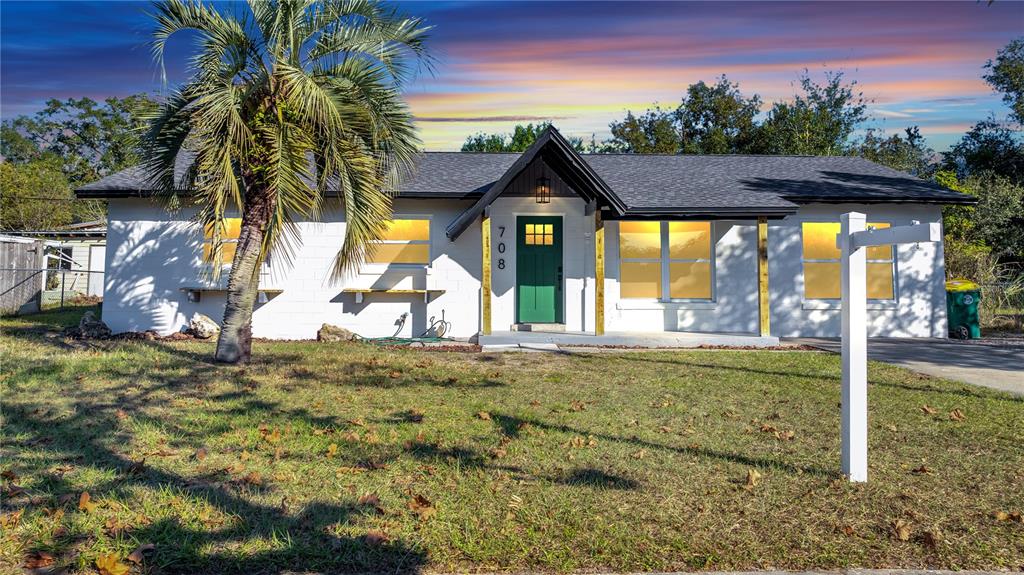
(598, 273)
(485, 282)
(762, 276)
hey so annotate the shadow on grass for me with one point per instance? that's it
(311, 542)
(511, 422)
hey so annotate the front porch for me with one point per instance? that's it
(549, 341)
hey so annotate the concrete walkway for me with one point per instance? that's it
(553, 341)
(997, 367)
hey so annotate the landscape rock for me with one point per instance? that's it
(330, 332)
(89, 327)
(202, 326)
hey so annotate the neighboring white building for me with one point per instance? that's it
(75, 256)
(684, 238)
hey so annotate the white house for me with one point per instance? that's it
(552, 239)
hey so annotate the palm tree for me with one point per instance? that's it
(292, 104)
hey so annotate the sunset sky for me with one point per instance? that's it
(580, 64)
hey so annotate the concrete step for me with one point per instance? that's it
(540, 327)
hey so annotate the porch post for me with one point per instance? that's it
(762, 276)
(485, 280)
(598, 273)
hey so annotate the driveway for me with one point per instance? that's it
(996, 366)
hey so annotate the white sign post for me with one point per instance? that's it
(852, 241)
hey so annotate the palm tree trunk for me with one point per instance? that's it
(235, 342)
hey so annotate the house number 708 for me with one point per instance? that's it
(501, 247)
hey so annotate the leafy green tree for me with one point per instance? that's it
(818, 122)
(717, 119)
(521, 138)
(996, 222)
(294, 80)
(906, 153)
(1006, 75)
(90, 139)
(35, 195)
(84, 139)
(988, 147)
(653, 132)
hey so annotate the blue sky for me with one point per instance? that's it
(580, 64)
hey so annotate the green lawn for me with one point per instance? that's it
(345, 457)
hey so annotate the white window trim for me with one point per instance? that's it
(376, 268)
(665, 260)
(836, 303)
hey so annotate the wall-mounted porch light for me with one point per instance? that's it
(543, 190)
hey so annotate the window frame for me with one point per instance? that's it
(665, 260)
(429, 242)
(838, 260)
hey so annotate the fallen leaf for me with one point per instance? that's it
(768, 428)
(12, 490)
(253, 478)
(9, 475)
(375, 538)
(1017, 516)
(932, 538)
(422, 507)
(577, 406)
(484, 416)
(38, 560)
(785, 435)
(957, 415)
(923, 470)
(534, 403)
(414, 416)
(847, 530)
(928, 410)
(371, 500)
(110, 564)
(245, 455)
(11, 520)
(1001, 516)
(270, 435)
(753, 478)
(665, 429)
(137, 555)
(115, 526)
(640, 454)
(85, 502)
(332, 450)
(357, 422)
(201, 454)
(892, 428)
(121, 414)
(901, 530)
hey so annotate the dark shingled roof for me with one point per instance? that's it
(650, 184)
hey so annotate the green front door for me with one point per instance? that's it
(539, 269)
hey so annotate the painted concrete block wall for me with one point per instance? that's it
(733, 307)
(152, 254)
(920, 306)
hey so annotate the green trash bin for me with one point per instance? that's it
(962, 299)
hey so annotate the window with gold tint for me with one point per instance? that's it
(822, 264)
(665, 260)
(540, 234)
(228, 241)
(405, 241)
